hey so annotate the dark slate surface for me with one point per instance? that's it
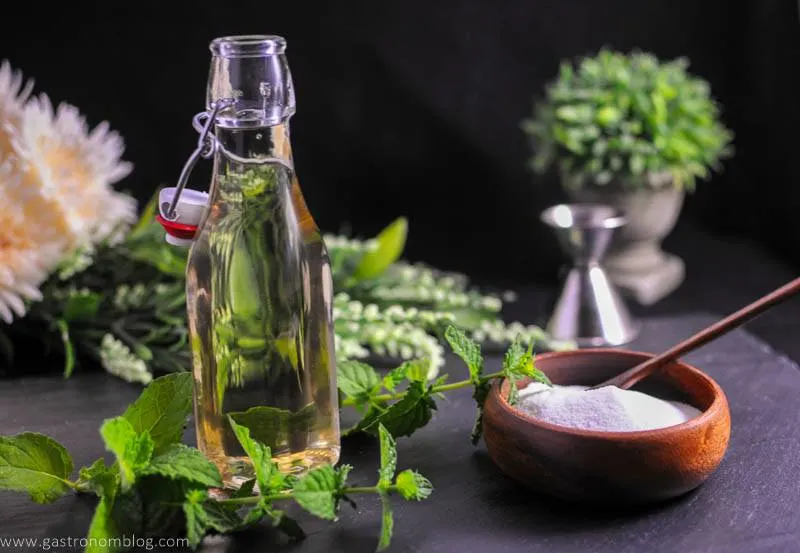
(750, 505)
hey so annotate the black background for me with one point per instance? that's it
(413, 108)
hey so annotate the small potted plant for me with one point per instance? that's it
(636, 133)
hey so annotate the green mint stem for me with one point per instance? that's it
(435, 389)
(367, 489)
(288, 495)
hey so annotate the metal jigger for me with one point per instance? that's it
(587, 310)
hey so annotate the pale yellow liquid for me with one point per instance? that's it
(259, 302)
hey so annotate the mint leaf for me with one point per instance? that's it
(373, 414)
(413, 370)
(132, 450)
(514, 356)
(418, 369)
(272, 426)
(94, 478)
(180, 462)
(388, 457)
(513, 392)
(269, 478)
(537, 375)
(151, 508)
(468, 350)
(203, 515)
(413, 486)
(479, 393)
(387, 523)
(317, 492)
(195, 523)
(154, 507)
(518, 364)
(394, 377)
(413, 411)
(357, 380)
(36, 464)
(162, 409)
(391, 242)
(103, 526)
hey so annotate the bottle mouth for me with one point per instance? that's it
(246, 46)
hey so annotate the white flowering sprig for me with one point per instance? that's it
(418, 284)
(397, 332)
(119, 360)
(499, 333)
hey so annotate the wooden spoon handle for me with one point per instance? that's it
(630, 377)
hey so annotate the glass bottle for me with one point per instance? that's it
(259, 287)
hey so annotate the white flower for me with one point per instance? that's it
(55, 185)
(74, 169)
(118, 360)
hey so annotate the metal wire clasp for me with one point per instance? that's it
(206, 145)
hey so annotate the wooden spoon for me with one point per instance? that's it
(630, 377)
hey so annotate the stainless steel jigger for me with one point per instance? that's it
(588, 309)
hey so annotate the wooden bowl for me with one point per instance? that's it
(592, 466)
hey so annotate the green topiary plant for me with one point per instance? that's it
(627, 119)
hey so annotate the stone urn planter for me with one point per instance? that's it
(635, 262)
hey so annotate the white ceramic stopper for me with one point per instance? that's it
(189, 211)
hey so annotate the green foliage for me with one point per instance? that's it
(268, 477)
(35, 464)
(391, 242)
(132, 449)
(167, 494)
(359, 381)
(318, 492)
(413, 486)
(203, 515)
(96, 478)
(628, 119)
(404, 400)
(163, 409)
(388, 466)
(271, 425)
(470, 352)
(180, 462)
(518, 364)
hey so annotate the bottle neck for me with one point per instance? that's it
(254, 145)
(251, 165)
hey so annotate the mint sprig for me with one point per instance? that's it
(404, 401)
(157, 486)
